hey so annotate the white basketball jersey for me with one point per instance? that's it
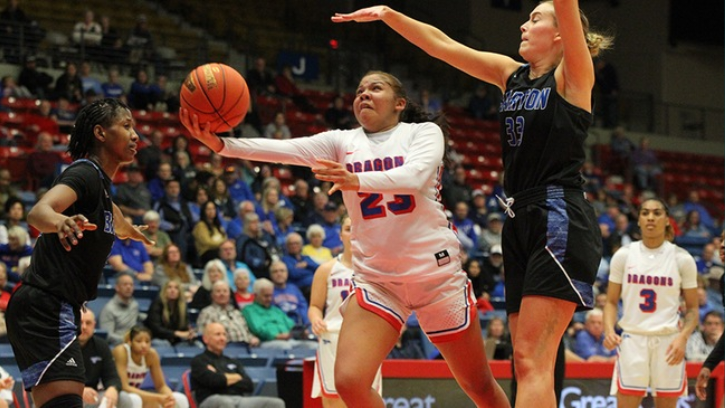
(399, 230)
(651, 281)
(338, 287)
(135, 372)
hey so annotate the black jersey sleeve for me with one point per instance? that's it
(82, 178)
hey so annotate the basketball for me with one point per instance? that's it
(217, 94)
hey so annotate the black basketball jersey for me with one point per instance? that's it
(74, 275)
(542, 135)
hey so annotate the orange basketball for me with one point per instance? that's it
(218, 94)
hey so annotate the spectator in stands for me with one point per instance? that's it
(100, 369)
(285, 218)
(479, 212)
(693, 203)
(646, 166)
(467, 229)
(302, 201)
(214, 271)
(15, 250)
(458, 189)
(175, 214)
(87, 33)
(287, 295)
(703, 341)
(88, 80)
(493, 266)
(167, 317)
(43, 162)
(621, 149)
(693, 227)
(179, 143)
(38, 83)
(286, 86)
(496, 332)
(133, 196)
(481, 105)
(219, 380)
(14, 211)
(5, 290)
(704, 304)
(482, 282)
(69, 84)
(201, 196)
(139, 95)
(121, 312)
(222, 310)
(708, 259)
(236, 225)
(228, 256)
(314, 249)
(260, 80)
(331, 224)
(140, 42)
(171, 267)
(622, 233)
(64, 114)
(7, 191)
(111, 88)
(272, 325)
(149, 158)
(607, 84)
(300, 267)
(589, 343)
(112, 52)
(339, 116)
(242, 280)
(429, 103)
(268, 203)
(492, 234)
(238, 189)
(208, 233)
(131, 257)
(278, 129)
(135, 359)
(255, 246)
(164, 97)
(219, 195)
(11, 88)
(161, 239)
(18, 29)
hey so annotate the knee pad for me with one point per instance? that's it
(65, 401)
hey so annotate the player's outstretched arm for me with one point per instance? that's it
(487, 66)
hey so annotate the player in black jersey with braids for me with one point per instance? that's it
(553, 245)
(78, 223)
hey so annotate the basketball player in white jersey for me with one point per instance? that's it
(404, 253)
(648, 276)
(330, 288)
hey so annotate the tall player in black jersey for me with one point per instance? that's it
(78, 222)
(553, 245)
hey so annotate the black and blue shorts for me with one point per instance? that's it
(552, 247)
(43, 331)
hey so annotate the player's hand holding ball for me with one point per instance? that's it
(214, 99)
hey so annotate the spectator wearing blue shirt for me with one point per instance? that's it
(589, 342)
(131, 257)
(14, 250)
(467, 234)
(238, 189)
(228, 256)
(255, 246)
(301, 268)
(235, 226)
(287, 296)
(157, 184)
(693, 203)
(111, 88)
(331, 225)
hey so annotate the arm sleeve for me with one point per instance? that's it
(716, 355)
(616, 266)
(424, 157)
(299, 151)
(688, 269)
